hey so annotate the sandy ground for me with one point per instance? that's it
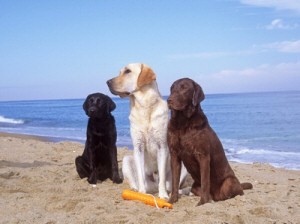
(39, 184)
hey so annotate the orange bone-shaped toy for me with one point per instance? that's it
(146, 198)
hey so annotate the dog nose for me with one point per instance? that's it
(91, 111)
(108, 82)
(169, 102)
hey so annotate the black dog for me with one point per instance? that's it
(99, 158)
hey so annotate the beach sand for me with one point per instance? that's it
(39, 184)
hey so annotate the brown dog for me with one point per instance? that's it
(192, 141)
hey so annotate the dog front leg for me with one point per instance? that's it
(129, 172)
(176, 168)
(90, 150)
(205, 179)
(92, 179)
(114, 165)
(139, 159)
(162, 169)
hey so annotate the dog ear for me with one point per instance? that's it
(110, 104)
(146, 76)
(198, 95)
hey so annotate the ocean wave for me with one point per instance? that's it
(282, 159)
(11, 120)
(243, 151)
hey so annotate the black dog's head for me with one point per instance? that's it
(185, 96)
(98, 105)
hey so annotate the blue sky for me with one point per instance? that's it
(68, 49)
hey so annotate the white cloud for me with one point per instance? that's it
(285, 46)
(279, 24)
(278, 77)
(293, 5)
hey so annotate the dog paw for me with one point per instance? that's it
(92, 180)
(204, 199)
(173, 199)
(163, 195)
(117, 180)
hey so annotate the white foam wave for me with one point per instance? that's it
(244, 151)
(283, 159)
(10, 120)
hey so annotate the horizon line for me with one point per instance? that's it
(116, 97)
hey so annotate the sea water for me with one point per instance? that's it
(253, 127)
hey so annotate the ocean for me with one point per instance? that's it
(253, 127)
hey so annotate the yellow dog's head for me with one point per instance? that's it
(131, 79)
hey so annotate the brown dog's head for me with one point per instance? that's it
(185, 96)
(131, 79)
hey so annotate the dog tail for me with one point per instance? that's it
(246, 186)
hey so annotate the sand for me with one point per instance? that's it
(39, 184)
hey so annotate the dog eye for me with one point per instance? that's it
(127, 71)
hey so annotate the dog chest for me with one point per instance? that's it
(188, 142)
(148, 126)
